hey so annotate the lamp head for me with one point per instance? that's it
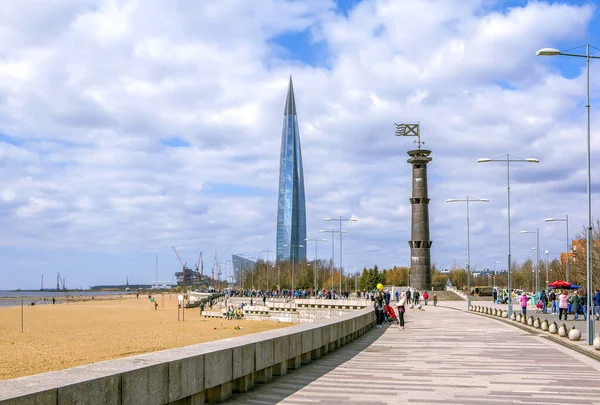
(483, 160)
(549, 219)
(524, 232)
(547, 251)
(547, 52)
(532, 160)
(451, 200)
(484, 200)
(328, 219)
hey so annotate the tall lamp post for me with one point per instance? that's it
(508, 160)
(547, 280)
(333, 255)
(341, 219)
(467, 201)
(537, 264)
(494, 278)
(267, 266)
(315, 268)
(587, 56)
(292, 247)
(565, 220)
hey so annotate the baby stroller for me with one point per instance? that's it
(390, 314)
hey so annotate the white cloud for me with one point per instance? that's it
(89, 89)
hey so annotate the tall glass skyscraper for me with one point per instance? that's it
(291, 208)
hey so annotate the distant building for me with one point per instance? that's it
(162, 285)
(291, 206)
(241, 264)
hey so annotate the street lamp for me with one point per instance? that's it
(494, 279)
(316, 240)
(341, 219)
(565, 220)
(467, 201)
(508, 160)
(587, 56)
(537, 265)
(333, 254)
(267, 266)
(293, 261)
(547, 251)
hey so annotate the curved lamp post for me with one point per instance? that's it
(566, 220)
(587, 56)
(467, 200)
(508, 160)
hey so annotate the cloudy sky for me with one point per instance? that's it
(128, 127)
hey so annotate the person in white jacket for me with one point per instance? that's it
(402, 309)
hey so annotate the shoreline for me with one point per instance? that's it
(85, 331)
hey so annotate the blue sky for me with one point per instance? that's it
(126, 130)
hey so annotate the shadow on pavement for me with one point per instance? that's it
(282, 387)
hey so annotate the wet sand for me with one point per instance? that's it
(61, 336)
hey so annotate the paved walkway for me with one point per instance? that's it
(444, 356)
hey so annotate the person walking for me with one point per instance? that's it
(544, 301)
(524, 298)
(563, 304)
(407, 294)
(596, 304)
(575, 304)
(425, 297)
(378, 304)
(553, 302)
(434, 300)
(402, 309)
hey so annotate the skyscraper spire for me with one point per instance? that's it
(291, 208)
(290, 102)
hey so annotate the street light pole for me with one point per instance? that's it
(494, 279)
(547, 251)
(508, 160)
(587, 56)
(268, 251)
(537, 264)
(292, 248)
(467, 200)
(565, 220)
(315, 268)
(333, 256)
(341, 219)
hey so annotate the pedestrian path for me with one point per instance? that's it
(443, 356)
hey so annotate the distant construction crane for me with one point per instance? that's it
(215, 266)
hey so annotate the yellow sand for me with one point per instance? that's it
(67, 335)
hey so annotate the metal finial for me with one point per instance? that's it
(410, 130)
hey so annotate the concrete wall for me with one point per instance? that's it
(190, 375)
(303, 310)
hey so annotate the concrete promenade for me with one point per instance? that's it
(444, 356)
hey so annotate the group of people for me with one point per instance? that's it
(381, 302)
(562, 303)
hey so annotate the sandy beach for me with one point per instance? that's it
(67, 335)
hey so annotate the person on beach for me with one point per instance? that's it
(563, 305)
(402, 309)
(156, 306)
(53, 300)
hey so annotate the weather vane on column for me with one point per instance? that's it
(410, 130)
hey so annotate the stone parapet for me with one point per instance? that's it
(207, 372)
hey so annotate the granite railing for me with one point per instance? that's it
(190, 375)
